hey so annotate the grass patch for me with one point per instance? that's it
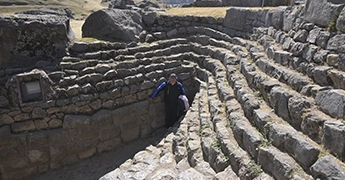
(230, 124)
(206, 11)
(216, 144)
(254, 168)
(198, 11)
(89, 39)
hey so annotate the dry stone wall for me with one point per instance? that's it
(267, 101)
(93, 103)
(26, 39)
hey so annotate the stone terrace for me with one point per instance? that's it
(268, 107)
(267, 103)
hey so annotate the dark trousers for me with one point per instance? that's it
(170, 114)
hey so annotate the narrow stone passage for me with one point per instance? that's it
(100, 164)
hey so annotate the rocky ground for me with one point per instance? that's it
(95, 167)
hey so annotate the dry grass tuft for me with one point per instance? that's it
(200, 11)
(206, 11)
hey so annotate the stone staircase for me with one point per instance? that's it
(261, 108)
(257, 113)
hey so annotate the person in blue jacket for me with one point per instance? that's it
(172, 90)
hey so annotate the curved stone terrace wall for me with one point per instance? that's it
(264, 106)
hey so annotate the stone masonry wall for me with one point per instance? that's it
(90, 106)
(96, 98)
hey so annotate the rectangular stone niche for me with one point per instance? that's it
(30, 88)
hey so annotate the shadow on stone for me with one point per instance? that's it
(100, 164)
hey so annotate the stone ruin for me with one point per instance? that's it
(266, 89)
(242, 3)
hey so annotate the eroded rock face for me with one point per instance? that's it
(113, 25)
(321, 12)
(26, 37)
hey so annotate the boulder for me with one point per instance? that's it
(278, 17)
(334, 137)
(332, 102)
(337, 43)
(322, 38)
(113, 25)
(327, 167)
(290, 17)
(313, 35)
(321, 12)
(149, 18)
(236, 18)
(26, 38)
(321, 75)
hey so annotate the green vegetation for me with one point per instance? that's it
(332, 26)
(254, 168)
(216, 144)
(230, 124)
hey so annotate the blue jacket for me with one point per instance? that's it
(171, 92)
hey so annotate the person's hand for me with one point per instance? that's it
(150, 100)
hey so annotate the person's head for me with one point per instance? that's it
(172, 78)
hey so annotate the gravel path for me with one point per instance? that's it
(100, 164)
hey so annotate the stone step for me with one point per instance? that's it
(89, 65)
(79, 47)
(145, 72)
(306, 118)
(328, 167)
(314, 148)
(210, 121)
(132, 52)
(249, 103)
(322, 75)
(191, 30)
(218, 118)
(160, 46)
(275, 66)
(279, 164)
(212, 112)
(85, 66)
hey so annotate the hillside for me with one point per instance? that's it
(80, 8)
